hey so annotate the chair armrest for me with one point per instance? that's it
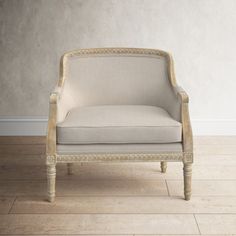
(60, 103)
(54, 100)
(181, 93)
(61, 95)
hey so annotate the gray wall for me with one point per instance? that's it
(201, 35)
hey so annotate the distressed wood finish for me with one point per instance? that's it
(51, 177)
(163, 166)
(52, 157)
(187, 180)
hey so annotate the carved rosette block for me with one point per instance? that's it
(187, 180)
(188, 157)
(51, 159)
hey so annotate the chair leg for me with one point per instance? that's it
(51, 181)
(187, 180)
(163, 166)
(69, 168)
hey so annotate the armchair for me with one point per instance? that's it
(118, 105)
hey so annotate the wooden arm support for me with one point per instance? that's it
(185, 119)
(51, 130)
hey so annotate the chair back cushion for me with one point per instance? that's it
(125, 77)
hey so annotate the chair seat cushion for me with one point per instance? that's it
(118, 124)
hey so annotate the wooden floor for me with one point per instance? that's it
(117, 199)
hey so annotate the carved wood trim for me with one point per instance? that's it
(120, 157)
(115, 51)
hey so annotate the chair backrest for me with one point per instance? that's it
(108, 76)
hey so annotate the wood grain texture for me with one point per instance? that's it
(119, 199)
(11, 140)
(6, 204)
(217, 224)
(205, 187)
(131, 171)
(22, 149)
(97, 224)
(76, 234)
(22, 160)
(215, 160)
(85, 187)
(125, 205)
(215, 149)
(214, 140)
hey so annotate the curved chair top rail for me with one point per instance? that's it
(117, 51)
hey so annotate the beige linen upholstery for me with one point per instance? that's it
(119, 148)
(124, 79)
(118, 124)
(115, 105)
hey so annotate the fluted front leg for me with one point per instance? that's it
(187, 180)
(51, 181)
(70, 168)
(163, 166)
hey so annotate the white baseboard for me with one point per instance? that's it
(36, 126)
(23, 126)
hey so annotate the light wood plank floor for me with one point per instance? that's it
(117, 199)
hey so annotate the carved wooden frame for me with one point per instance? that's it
(52, 158)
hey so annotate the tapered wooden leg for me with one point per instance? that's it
(163, 166)
(51, 181)
(69, 168)
(187, 180)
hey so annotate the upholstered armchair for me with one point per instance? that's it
(118, 105)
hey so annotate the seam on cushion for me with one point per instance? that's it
(101, 127)
(118, 152)
(120, 142)
(109, 142)
(115, 152)
(161, 144)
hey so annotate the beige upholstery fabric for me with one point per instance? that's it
(121, 79)
(119, 148)
(118, 124)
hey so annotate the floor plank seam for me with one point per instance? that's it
(116, 213)
(197, 224)
(115, 180)
(63, 180)
(97, 195)
(167, 188)
(123, 195)
(9, 212)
